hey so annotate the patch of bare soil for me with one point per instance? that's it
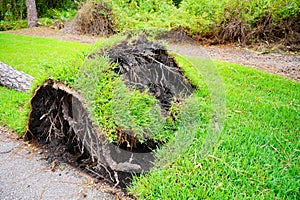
(47, 32)
(287, 65)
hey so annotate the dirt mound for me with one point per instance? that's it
(92, 18)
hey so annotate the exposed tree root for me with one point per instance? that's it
(266, 30)
(60, 123)
(233, 30)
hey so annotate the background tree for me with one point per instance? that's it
(11, 10)
(31, 13)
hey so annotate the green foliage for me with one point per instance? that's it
(140, 112)
(45, 6)
(200, 17)
(45, 21)
(287, 9)
(96, 82)
(60, 14)
(12, 25)
(11, 10)
(133, 110)
(14, 109)
(143, 14)
(255, 10)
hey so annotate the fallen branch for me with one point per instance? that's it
(14, 79)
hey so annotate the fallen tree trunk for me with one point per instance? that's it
(14, 79)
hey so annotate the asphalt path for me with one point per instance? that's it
(25, 174)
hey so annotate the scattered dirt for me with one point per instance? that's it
(266, 57)
(277, 62)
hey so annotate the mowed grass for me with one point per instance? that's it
(258, 151)
(257, 155)
(41, 58)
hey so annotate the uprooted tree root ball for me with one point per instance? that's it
(92, 18)
(265, 30)
(60, 123)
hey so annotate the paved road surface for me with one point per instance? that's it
(24, 174)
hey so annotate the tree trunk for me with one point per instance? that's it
(31, 13)
(14, 79)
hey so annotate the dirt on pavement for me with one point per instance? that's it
(276, 62)
(25, 174)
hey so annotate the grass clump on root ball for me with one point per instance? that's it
(124, 94)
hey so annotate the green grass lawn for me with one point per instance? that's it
(257, 155)
(41, 58)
